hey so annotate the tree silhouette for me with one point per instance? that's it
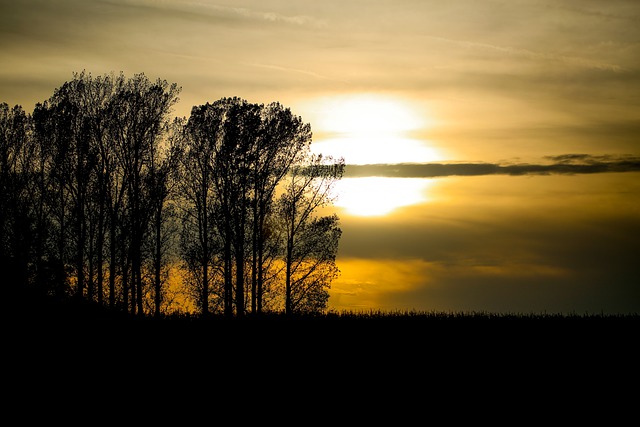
(16, 208)
(201, 242)
(97, 181)
(66, 142)
(140, 114)
(311, 242)
(283, 142)
(160, 185)
(234, 157)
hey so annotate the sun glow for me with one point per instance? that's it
(368, 128)
(377, 196)
(373, 129)
(367, 114)
(373, 149)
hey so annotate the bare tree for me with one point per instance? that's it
(16, 236)
(97, 94)
(75, 165)
(139, 115)
(61, 128)
(160, 184)
(239, 153)
(313, 265)
(103, 158)
(310, 243)
(201, 242)
(283, 140)
(228, 128)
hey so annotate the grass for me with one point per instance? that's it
(86, 310)
(397, 344)
(342, 328)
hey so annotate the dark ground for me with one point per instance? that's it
(407, 332)
(81, 362)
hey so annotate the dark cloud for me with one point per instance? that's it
(566, 164)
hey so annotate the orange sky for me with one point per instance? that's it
(552, 86)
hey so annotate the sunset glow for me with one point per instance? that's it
(494, 145)
(362, 149)
(366, 114)
(376, 196)
(367, 129)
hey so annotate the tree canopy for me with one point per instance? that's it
(110, 199)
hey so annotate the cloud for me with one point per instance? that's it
(566, 164)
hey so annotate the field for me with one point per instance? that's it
(377, 356)
(373, 329)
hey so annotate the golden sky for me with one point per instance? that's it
(527, 110)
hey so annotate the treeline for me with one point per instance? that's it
(105, 197)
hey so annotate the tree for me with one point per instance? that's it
(220, 140)
(160, 185)
(98, 93)
(200, 239)
(93, 179)
(139, 114)
(311, 243)
(284, 140)
(77, 165)
(99, 161)
(66, 142)
(16, 236)
(236, 155)
(313, 265)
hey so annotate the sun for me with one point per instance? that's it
(371, 128)
(367, 114)
(379, 196)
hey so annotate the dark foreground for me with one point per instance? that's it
(394, 368)
(407, 332)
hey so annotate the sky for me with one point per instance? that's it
(492, 147)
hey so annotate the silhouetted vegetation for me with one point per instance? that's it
(113, 210)
(47, 307)
(374, 341)
(107, 200)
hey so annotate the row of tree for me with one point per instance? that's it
(106, 197)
